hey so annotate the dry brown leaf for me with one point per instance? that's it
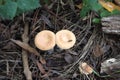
(109, 5)
(40, 67)
(79, 6)
(85, 68)
(25, 46)
(97, 51)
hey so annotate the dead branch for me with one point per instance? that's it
(25, 39)
(26, 47)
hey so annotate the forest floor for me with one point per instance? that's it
(92, 46)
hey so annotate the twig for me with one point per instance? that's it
(26, 47)
(25, 39)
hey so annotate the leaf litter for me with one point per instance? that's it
(59, 64)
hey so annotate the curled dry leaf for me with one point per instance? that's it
(85, 68)
(109, 5)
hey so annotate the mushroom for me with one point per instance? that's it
(85, 68)
(65, 39)
(45, 40)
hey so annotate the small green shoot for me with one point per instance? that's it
(96, 20)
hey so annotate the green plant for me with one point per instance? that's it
(90, 5)
(10, 8)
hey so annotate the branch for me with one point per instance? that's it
(25, 39)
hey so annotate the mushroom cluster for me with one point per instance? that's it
(46, 40)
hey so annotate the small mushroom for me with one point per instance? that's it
(85, 68)
(45, 40)
(65, 39)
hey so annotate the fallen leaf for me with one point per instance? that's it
(79, 6)
(97, 51)
(85, 68)
(109, 5)
(25, 46)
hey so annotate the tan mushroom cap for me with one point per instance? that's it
(65, 39)
(45, 40)
(85, 68)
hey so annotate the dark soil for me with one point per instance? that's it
(92, 46)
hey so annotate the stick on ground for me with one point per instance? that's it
(25, 39)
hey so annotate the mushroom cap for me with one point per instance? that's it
(65, 39)
(85, 68)
(45, 40)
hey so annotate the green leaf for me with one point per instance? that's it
(95, 5)
(8, 10)
(1, 2)
(89, 5)
(96, 20)
(84, 11)
(47, 1)
(115, 12)
(26, 5)
(105, 13)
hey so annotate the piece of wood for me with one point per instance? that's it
(25, 39)
(110, 66)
